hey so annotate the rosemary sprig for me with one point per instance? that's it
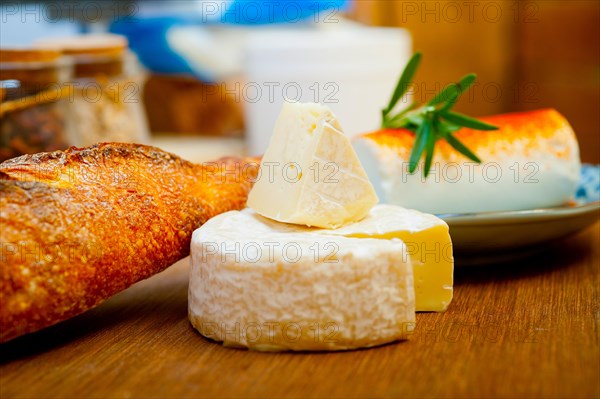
(432, 121)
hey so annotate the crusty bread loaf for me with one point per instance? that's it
(80, 225)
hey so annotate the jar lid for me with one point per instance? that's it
(28, 55)
(92, 44)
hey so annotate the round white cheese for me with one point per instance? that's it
(274, 286)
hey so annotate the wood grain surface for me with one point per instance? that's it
(525, 329)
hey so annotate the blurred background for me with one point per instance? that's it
(206, 78)
(527, 54)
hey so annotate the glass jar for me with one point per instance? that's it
(105, 95)
(33, 107)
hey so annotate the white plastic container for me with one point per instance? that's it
(352, 69)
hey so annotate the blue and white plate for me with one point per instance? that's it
(501, 236)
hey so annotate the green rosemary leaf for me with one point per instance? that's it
(448, 92)
(460, 147)
(416, 119)
(466, 121)
(399, 120)
(405, 111)
(466, 81)
(429, 149)
(463, 85)
(405, 79)
(449, 127)
(429, 121)
(454, 90)
(449, 104)
(418, 147)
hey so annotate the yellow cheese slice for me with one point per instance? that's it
(427, 240)
(428, 243)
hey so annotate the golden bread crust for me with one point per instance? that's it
(80, 225)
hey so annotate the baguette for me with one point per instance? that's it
(80, 225)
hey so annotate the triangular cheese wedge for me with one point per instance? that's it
(310, 174)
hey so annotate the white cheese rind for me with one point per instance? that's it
(359, 292)
(428, 242)
(531, 162)
(310, 173)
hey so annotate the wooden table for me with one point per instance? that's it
(527, 329)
